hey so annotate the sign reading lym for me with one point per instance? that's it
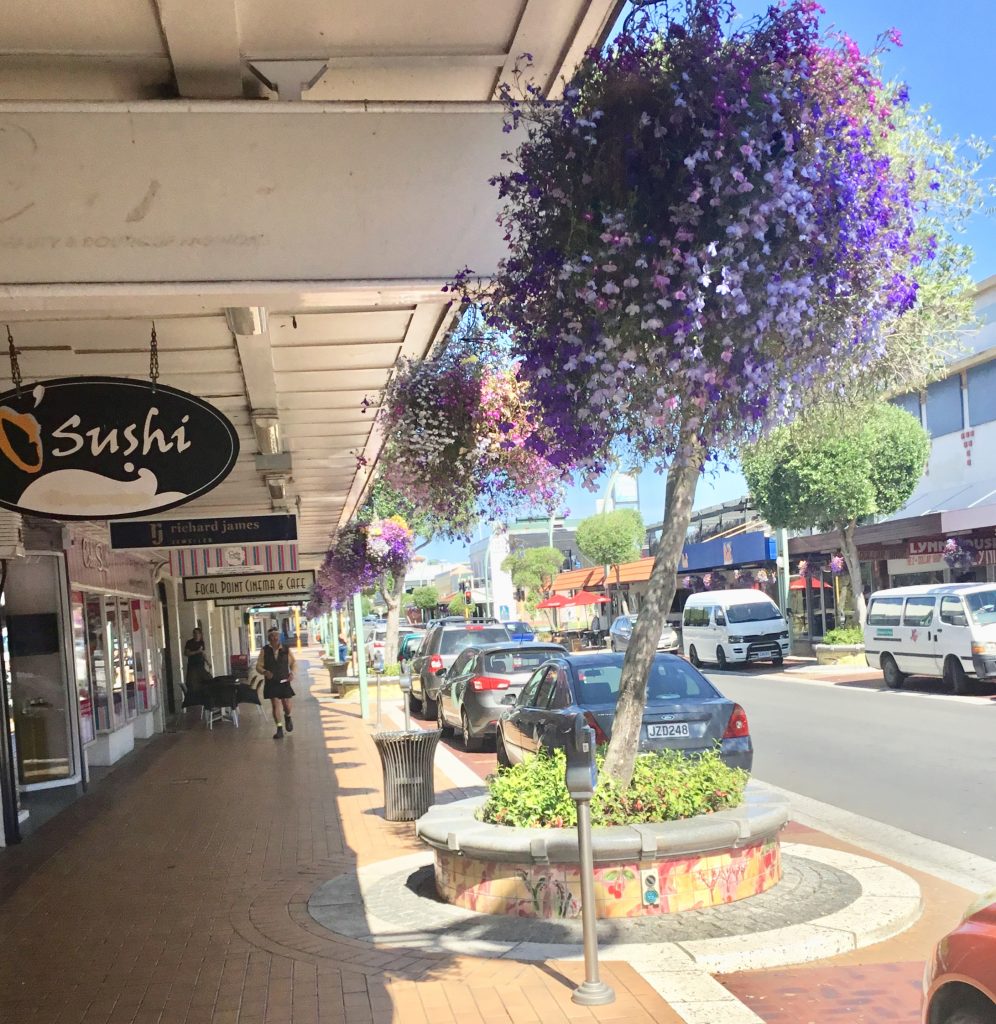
(109, 448)
(256, 586)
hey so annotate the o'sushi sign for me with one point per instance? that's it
(109, 448)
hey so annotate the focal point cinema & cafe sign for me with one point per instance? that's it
(109, 448)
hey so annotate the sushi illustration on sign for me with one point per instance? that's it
(109, 448)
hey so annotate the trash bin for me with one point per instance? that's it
(407, 759)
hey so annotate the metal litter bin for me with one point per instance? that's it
(407, 759)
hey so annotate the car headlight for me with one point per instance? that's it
(737, 639)
(783, 635)
(988, 648)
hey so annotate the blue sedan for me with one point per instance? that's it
(683, 710)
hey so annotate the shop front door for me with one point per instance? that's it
(44, 705)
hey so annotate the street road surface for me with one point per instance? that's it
(917, 761)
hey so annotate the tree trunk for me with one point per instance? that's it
(850, 549)
(682, 480)
(392, 598)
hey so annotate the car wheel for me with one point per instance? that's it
(956, 677)
(429, 707)
(503, 759)
(470, 741)
(721, 658)
(414, 704)
(778, 661)
(693, 656)
(444, 726)
(890, 670)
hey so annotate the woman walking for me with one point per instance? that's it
(276, 665)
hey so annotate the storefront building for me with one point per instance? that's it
(81, 668)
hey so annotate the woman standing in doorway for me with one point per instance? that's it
(198, 671)
(276, 665)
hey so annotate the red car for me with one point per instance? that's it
(959, 983)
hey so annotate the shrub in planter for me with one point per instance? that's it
(666, 786)
(845, 636)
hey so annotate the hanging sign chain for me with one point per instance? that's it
(154, 358)
(15, 366)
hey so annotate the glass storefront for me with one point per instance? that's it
(114, 645)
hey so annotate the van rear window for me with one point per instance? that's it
(885, 611)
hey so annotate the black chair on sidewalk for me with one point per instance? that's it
(222, 701)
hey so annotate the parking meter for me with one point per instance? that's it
(405, 683)
(582, 775)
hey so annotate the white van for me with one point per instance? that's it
(947, 631)
(729, 626)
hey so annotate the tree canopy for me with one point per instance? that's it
(533, 568)
(828, 471)
(610, 538)
(426, 598)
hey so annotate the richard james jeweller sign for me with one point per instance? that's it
(109, 448)
(252, 586)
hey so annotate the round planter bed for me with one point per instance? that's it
(639, 869)
(840, 654)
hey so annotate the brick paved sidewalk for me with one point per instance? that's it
(175, 893)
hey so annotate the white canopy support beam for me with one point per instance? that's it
(203, 41)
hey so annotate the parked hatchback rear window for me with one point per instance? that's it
(510, 662)
(455, 640)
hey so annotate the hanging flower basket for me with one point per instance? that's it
(463, 438)
(706, 227)
(959, 554)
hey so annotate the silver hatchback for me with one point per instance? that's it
(483, 682)
(622, 629)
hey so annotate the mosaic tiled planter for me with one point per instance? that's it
(642, 870)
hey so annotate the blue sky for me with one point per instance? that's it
(947, 60)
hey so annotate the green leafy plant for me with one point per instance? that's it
(666, 786)
(457, 605)
(845, 635)
(394, 669)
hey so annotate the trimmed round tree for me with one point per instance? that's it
(610, 538)
(707, 229)
(828, 471)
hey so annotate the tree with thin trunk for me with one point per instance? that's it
(715, 224)
(611, 538)
(830, 470)
(532, 570)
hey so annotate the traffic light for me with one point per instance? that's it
(468, 597)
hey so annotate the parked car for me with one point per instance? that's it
(959, 982)
(408, 645)
(683, 711)
(520, 630)
(944, 631)
(733, 626)
(485, 680)
(622, 629)
(376, 640)
(439, 650)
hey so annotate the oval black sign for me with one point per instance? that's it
(109, 448)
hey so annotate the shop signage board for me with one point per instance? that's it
(109, 448)
(250, 603)
(222, 531)
(250, 587)
(929, 552)
(242, 558)
(744, 549)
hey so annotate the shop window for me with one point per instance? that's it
(911, 403)
(885, 611)
(944, 410)
(100, 671)
(982, 394)
(81, 661)
(919, 611)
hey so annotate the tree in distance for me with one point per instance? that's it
(831, 469)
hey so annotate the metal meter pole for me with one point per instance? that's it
(592, 991)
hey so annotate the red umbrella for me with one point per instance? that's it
(800, 583)
(586, 597)
(553, 601)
